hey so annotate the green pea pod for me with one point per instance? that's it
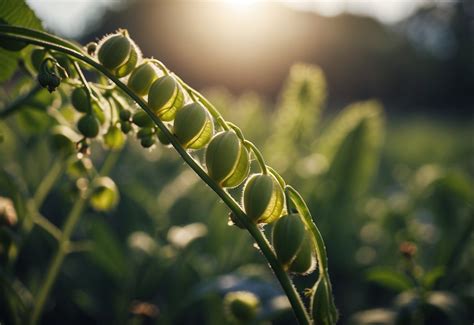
(227, 159)
(263, 198)
(142, 78)
(165, 98)
(193, 127)
(127, 68)
(287, 237)
(323, 310)
(114, 51)
(304, 262)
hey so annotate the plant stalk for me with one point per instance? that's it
(64, 242)
(293, 296)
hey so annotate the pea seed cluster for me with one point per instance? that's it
(104, 111)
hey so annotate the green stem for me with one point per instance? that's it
(19, 102)
(64, 242)
(282, 276)
(56, 262)
(321, 254)
(258, 155)
(48, 181)
(35, 203)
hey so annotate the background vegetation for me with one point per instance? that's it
(389, 181)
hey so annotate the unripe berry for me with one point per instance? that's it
(287, 237)
(263, 198)
(125, 127)
(162, 138)
(165, 98)
(227, 159)
(80, 101)
(142, 119)
(145, 133)
(125, 115)
(142, 78)
(105, 196)
(88, 125)
(193, 127)
(147, 142)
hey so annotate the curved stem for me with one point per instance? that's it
(258, 155)
(282, 276)
(85, 83)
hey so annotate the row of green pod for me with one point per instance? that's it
(227, 157)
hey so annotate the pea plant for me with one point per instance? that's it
(124, 94)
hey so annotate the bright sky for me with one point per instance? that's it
(71, 17)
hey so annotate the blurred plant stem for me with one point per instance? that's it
(58, 44)
(18, 103)
(34, 204)
(65, 237)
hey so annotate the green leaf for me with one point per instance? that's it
(389, 278)
(352, 146)
(14, 12)
(431, 277)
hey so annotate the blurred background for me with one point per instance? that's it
(364, 106)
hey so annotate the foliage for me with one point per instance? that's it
(165, 252)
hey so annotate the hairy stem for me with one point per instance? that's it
(282, 276)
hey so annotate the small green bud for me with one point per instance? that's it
(125, 115)
(145, 133)
(162, 138)
(125, 127)
(147, 142)
(142, 119)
